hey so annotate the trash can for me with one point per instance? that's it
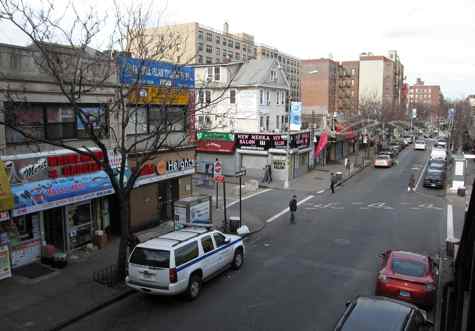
(234, 224)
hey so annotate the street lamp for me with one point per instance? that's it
(287, 149)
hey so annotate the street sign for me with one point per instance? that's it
(218, 172)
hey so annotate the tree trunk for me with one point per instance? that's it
(124, 238)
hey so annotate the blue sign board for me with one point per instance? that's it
(156, 73)
(51, 193)
(451, 114)
(295, 115)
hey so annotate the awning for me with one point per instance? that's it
(47, 194)
(6, 196)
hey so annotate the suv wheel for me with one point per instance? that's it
(238, 259)
(194, 287)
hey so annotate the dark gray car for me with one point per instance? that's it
(382, 314)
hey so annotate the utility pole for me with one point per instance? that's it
(287, 149)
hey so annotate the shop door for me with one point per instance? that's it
(79, 220)
(167, 195)
(55, 232)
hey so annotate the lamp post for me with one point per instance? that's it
(287, 148)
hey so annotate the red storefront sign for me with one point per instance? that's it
(216, 146)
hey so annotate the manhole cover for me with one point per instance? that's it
(341, 241)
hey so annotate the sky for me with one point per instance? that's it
(435, 39)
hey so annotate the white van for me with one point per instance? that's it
(438, 153)
(180, 261)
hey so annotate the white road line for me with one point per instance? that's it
(422, 174)
(248, 197)
(321, 191)
(286, 210)
(450, 222)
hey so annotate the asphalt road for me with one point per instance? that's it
(298, 277)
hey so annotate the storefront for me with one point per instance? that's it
(255, 151)
(60, 200)
(212, 146)
(164, 180)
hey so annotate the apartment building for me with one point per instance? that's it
(424, 95)
(290, 64)
(347, 88)
(319, 91)
(242, 96)
(204, 45)
(381, 81)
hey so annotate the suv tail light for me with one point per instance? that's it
(173, 275)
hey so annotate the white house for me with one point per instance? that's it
(242, 97)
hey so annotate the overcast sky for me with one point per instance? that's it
(435, 39)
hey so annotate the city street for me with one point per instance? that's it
(298, 277)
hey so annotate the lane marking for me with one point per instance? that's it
(321, 191)
(248, 197)
(356, 203)
(450, 222)
(286, 210)
(422, 174)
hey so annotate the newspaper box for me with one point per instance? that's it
(194, 211)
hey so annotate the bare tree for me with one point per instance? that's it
(63, 44)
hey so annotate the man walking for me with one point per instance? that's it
(332, 182)
(293, 208)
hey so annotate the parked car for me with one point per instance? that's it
(434, 178)
(420, 145)
(389, 152)
(382, 314)
(408, 277)
(180, 261)
(438, 153)
(383, 160)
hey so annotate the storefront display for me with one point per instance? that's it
(79, 220)
(5, 269)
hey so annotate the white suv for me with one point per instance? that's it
(179, 262)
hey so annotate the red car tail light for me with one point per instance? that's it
(173, 275)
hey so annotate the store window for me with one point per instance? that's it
(79, 219)
(92, 116)
(167, 119)
(28, 118)
(60, 123)
(137, 121)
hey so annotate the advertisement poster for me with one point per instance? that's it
(5, 269)
(180, 215)
(199, 213)
(26, 253)
(45, 194)
(295, 115)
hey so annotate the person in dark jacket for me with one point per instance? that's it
(332, 182)
(293, 208)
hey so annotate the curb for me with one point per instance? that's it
(92, 310)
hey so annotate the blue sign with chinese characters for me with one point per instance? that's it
(295, 115)
(156, 73)
(51, 193)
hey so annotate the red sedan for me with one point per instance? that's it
(408, 277)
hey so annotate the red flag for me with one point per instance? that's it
(322, 142)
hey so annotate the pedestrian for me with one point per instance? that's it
(269, 173)
(332, 182)
(207, 169)
(412, 183)
(265, 180)
(293, 208)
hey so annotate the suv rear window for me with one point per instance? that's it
(151, 257)
(186, 253)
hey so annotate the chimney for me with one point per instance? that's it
(226, 28)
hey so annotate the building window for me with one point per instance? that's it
(217, 73)
(267, 122)
(201, 121)
(261, 122)
(244, 49)
(230, 43)
(282, 121)
(283, 97)
(224, 42)
(137, 120)
(261, 97)
(171, 118)
(232, 96)
(238, 56)
(209, 36)
(208, 97)
(209, 49)
(200, 35)
(200, 97)
(200, 46)
(209, 76)
(352, 82)
(218, 40)
(237, 45)
(353, 72)
(277, 121)
(277, 97)
(218, 51)
(209, 60)
(268, 97)
(273, 75)
(200, 59)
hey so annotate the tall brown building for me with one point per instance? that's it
(348, 82)
(319, 90)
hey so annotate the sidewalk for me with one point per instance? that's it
(49, 301)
